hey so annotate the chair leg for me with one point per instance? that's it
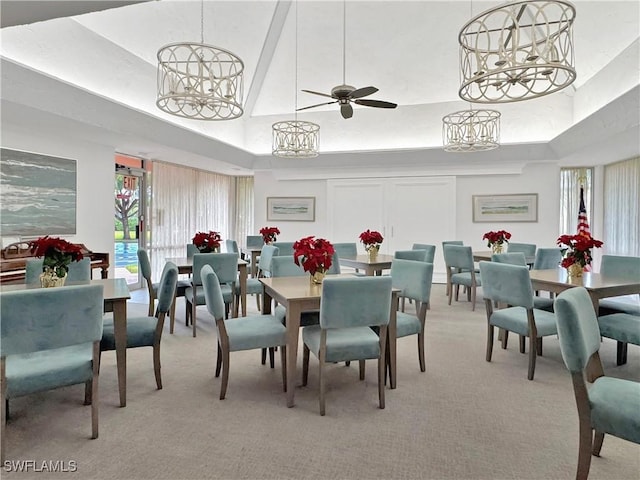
(152, 301)
(403, 302)
(457, 292)
(87, 392)
(264, 356)
(473, 299)
(94, 390)
(621, 353)
(450, 293)
(4, 408)
(361, 369)
(271, 357)
(259, 302)
(321, 378)
(505, 338)
(598, 438)
(305, 365)
(283, 364)
(539, 346)
(584, 451)
(156, 365)
(489, 342)
(219, 361)
(421, 352)
(173, 314)
(522, 347)
(532, 358)
(193, 315)
(225, 374)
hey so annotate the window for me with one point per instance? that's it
(622, 208)
(571, 179)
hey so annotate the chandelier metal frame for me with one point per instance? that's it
(200, 81)
(295, 138)
(517, 51)
(471, 131)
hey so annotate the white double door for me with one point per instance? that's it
(406, 210)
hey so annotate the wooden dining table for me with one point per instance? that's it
(599, 286)
(185, 266)
(364, 262)
(297, 294)
(115, 294)
(254, 253)
(486, 256)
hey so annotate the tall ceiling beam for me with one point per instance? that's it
(266, 55)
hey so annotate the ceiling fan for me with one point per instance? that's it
(345, 94)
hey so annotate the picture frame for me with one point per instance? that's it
(521, 207)
(291, 209)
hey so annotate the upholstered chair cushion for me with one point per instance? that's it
(515, 320)
(431, 251)
(547, 258)
(344, 344)
(284, 248)
(529, 249)
(407, 324)
(464, 278)
(414, 280)
(416, 255)
(512, 258)
(284, 266)
(261, 331)
(191, 250)
(614, 407)
(611, 305)
(507, 283)
(621, 327)
(346, 249)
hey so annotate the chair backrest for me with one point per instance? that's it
(547, 258)
(510, 284)
(413, 278)
(620, 266)
(355, 302)
(267, 253)
(255, 241)
(231, 246)
(529, 249)
(346, 249)
(224, 264)
(145, 265)
(431, 250)
(578, 330)
(334, 269)
(167, 287)
(47, 318)
(78, 271)
(415, 255)
(458, 256)
(212, 292)
(452, 242)
(512, 258)
(284, 248)
(191, 250)
(284, 266)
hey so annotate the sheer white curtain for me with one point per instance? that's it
(622, 208)
(570, 181)
(243, 210)
(184, 201)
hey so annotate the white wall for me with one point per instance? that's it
(95, 177)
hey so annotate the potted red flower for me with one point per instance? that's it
(371, 240)
(577, 252)
(58, 254)
(496, 240)
(207, 242)
(314, 255)
(269, 234)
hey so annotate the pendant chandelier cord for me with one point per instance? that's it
(296, 64)
(344, 42)
(201, 21)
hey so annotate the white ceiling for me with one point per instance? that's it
(96, 73)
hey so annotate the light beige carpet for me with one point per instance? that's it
(463, 418)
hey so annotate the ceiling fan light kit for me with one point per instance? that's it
(471, 131)
(517, 51)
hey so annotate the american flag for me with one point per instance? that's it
(583, 222)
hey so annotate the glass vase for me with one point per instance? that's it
(575, 271)
(48, 278)
(373, 252)
(317, 277)
(496, 248)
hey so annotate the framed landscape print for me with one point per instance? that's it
(37, 194)
(291, 209)
(521, 207)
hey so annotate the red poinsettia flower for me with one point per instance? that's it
(57, 253)
(207, 242)
(499, 237)
(577, 249)
(313, 254)
(269, 234)
(371, 237)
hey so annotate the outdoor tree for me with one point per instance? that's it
(126, 203)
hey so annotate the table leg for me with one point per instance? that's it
(120, 333)
(243, 289)
(391, 340)
(293, 327)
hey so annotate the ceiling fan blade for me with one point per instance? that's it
(376, 103)
(346, 110)
(316, 105)
(363, 92)
(318, 93)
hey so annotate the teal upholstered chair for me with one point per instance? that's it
(346, 249)
(147, 331)
(547, 258)
(415, 255)
(284, 248)
(254, 287)
(460, 271)
(450, 242)
(414, 281)
(349, 307)
(284, 266)
(511, 285)
(529, 249)
(152, 288)
(431, 251)
(78, 271)
(231, 246)
(624, 328)
(226, 266)
(514, 258)
(191, 250)
(50, 338)
(621, 267)
(255, 241)
(244, 333)
(605, 404)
